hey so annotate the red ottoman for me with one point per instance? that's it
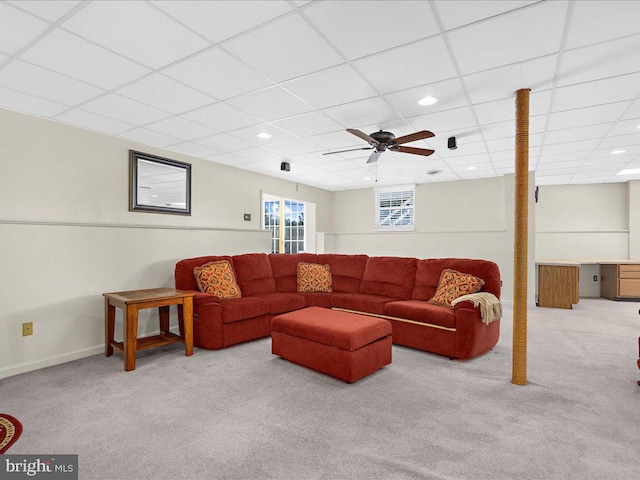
(341, 344)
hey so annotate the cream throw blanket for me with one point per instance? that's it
(490, 306)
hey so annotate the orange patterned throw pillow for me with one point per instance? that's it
(454, 284)
(313, 277)
(217, 278)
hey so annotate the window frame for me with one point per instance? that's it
(377, 208)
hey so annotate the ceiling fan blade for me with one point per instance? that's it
(349, 150)
(416, 151)
(363, 136)
(375, 155)
(421, 135)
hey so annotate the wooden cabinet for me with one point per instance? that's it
(620, 281)
(557, 286)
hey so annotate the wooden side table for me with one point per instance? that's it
(130, 303)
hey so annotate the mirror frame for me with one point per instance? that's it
(134, 206)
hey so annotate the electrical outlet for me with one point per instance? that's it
(27, 329)
(595, 278)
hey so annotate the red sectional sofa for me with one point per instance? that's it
(394, 288)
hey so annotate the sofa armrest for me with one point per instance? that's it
(199, 298)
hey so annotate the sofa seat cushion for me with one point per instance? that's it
(361, 302)
(421, 311)
(238, 309)
(342, 330)
(282, 302)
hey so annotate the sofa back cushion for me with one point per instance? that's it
(429, 270)
(254, 274)
(184, 270)
(346, 270)
(389, 276)
(285, 269)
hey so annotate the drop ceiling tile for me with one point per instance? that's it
(511, 38)
(362, 112)
(598, 21)
(271, 103)
(545, 166)
(475, 149)
(633, 111)
(570, 147)
(294, 147)
(463, 12)
(449, 93)
(360, 28)
(449, 120)
(116, 106)
(193, 149)
(615, 163)
(229, 159)
(94, 122)
(77, 58)
(503, 82)
(27, 78)
(221, 117)
(423, 62)
(136, 30)
(504, 156)
(25, 103)
(466, 160)
(554, 180)
(577, 134)
(503, 110)
(603, 60)
(587, 116)
(337, 140)
(598, 92)
(212, 19)
(18, 29)
(564, 157)
(250, 134)
(284, 49)
(313, 123)
(558, 172)
(218, 74)
(47, 9)
(181, 128)
(166, 94)
(149, 137)
(330, 87)
(258, 154)
(621, 141)
(333, 165)
(625, 127)
(224, 142)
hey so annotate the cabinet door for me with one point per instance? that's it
(629, 287)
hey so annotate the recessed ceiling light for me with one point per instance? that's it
(471, 168)
(618, 152)
(638, 126)
(367, 178)
(629, 171)
(428, 100)
(433, 172)
(263, 135)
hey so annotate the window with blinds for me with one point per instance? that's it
(395, 208)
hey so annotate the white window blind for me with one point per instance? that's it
(395, 210)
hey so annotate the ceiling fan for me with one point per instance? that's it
(382, 141)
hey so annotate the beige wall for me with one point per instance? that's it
(67, 235)
(634, 219)
(471, 218)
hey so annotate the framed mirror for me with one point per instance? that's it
(159, 185)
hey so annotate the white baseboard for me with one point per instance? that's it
(49, 362)
(67, 357)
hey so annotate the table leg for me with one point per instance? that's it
(130, 337)
(109, 327)
(187, 315)
(164, 319)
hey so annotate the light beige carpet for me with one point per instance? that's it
(241, 413)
